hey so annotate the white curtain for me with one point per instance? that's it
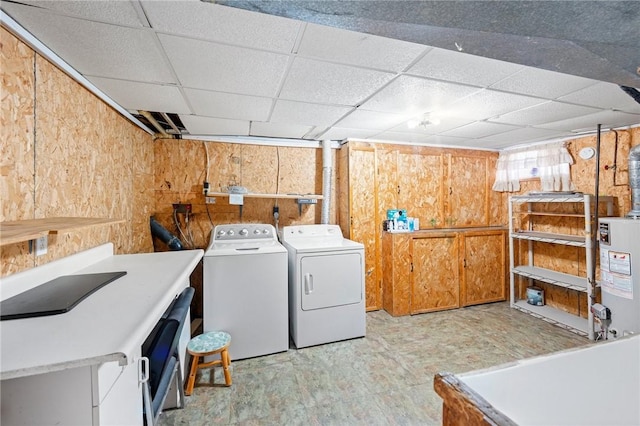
(548, 162)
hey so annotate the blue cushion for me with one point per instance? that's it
(209, 342)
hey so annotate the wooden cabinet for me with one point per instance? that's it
(483, 277)
(420, 186)
(435, 279)
(434, 270)
(443, 188)
(468, 200)
(358, 217)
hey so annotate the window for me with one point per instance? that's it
(550, 163)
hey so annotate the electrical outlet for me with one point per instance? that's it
(41, 245)
(182, 208)
(210, 200)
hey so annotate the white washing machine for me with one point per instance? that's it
(245, 289)
(326, 285)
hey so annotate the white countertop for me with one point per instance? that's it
(109, 325)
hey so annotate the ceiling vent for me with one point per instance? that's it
(165, 124)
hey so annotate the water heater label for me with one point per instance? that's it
(615, 271)
(620, 262)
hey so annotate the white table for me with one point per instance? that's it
(82, 367)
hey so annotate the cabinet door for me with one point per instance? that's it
(420, 188)
(468, 203)
(362, 207)
(435, 283)
(484, 267)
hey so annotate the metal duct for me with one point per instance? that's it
(634, 182)
(326, 181)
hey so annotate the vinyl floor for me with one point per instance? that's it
(385, 378)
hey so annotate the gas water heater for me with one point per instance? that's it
(619, 240)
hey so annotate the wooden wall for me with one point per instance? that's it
(64, 152)
(181, 170)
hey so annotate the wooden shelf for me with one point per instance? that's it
(255, 195)
(31, 229)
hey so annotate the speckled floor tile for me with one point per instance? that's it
(385, 378)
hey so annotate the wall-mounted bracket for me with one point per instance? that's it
(302, 201)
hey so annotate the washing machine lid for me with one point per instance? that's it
(244, 248)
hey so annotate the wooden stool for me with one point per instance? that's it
(208, 344)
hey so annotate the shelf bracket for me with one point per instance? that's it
(302, 201)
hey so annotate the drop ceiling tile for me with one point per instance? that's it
(278, 130)
(212, 66)
(208, 21)
(362, 119)
(608, 119)
(603, 95)
(522, 136)
(542, 83)
(143, 96)
(322, 82)
(197, 125)
(115, 12)
(415, 138)
(460, 67)
(543, 113)
(341, 133)
(229, 105)
(488, 103)
(99, 49)
(449, 141)
(365, 50)
(479, 129)
(307, 114)
(414, 95)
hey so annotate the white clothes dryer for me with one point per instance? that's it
(326, 285)
(245, 289)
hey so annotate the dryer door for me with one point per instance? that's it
(331, 279)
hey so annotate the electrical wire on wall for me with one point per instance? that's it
(205, 187)
(276, 209)
(188, 237)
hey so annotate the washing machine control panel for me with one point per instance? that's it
(244, 231)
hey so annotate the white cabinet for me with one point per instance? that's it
(83, 367)
(551, 245)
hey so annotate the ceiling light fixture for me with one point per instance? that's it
(423, 122)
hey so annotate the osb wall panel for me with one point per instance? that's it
(17, 63)
(86, 161)
(180, 170)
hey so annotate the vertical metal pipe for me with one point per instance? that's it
(326, 181)
(594, 248)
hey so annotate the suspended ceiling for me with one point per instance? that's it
(483, 74)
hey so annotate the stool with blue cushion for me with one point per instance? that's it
(207, 344)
